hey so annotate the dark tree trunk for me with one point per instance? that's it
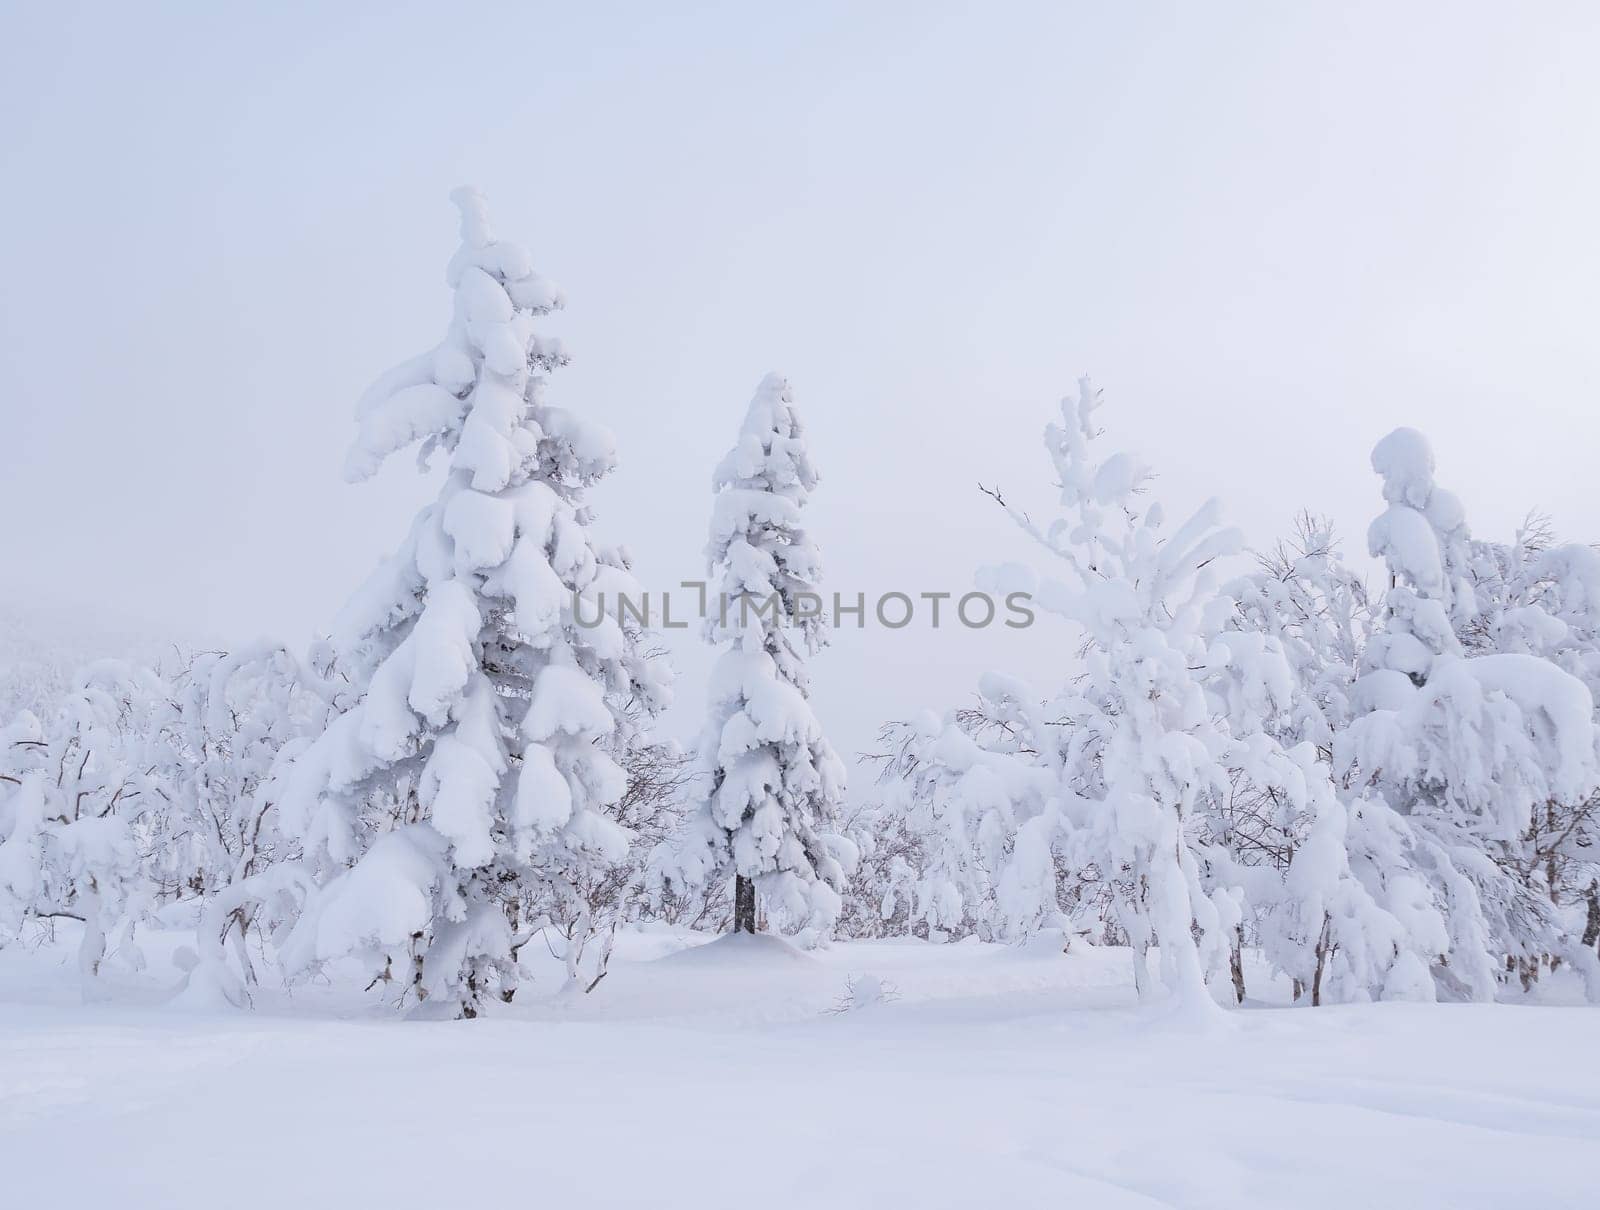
(744, 904)
(1591, 928)
(416, 968)
(1528, 972)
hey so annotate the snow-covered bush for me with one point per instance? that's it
(235, 714)
(1473, 746)
(1390, 802)
(139, 792)
(880, 890)
(1539, 597)
(241, 718)
(1097, 810)
(83, 804)
(1330, 892)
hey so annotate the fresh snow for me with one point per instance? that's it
(247, 896)
(861, 1075)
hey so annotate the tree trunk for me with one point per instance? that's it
(744, 904)
(1591, 929)
(1552, 871)
(1141, 967)
(92, 948)
(1322, 962)
(1236, 964)
(240, 939)
(416, 968)
(1528, 972)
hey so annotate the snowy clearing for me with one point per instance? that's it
(785, 731)
(982, 1076)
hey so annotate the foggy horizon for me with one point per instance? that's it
(1269, 235)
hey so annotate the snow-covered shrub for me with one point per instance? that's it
(241, 719)
(1538, 597)
(1391, 802)
(139, 792)
(1180, 788)
(879, 892)
(599, 896)
(83, 805)
(1469, 744)
(959, 793)
(1330, 891)
(235, 714)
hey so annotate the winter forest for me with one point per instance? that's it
(1387, 794)
(1257, 871)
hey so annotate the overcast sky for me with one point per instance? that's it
(1272, 232)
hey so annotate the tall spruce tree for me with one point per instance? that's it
(477, 774)
(773, 783)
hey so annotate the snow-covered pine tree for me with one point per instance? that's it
(472, 785)
(772, 781)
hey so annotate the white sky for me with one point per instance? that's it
(1272, 233)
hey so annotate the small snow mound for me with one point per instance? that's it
(1045, 943)
(865, 991)
(434, 1010)
(738, 949)
(1408, 979)
(201, 991)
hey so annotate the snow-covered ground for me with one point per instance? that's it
(746, 1074)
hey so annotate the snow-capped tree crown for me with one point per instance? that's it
(1122, 570)
(759, 548)
(478, 394)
